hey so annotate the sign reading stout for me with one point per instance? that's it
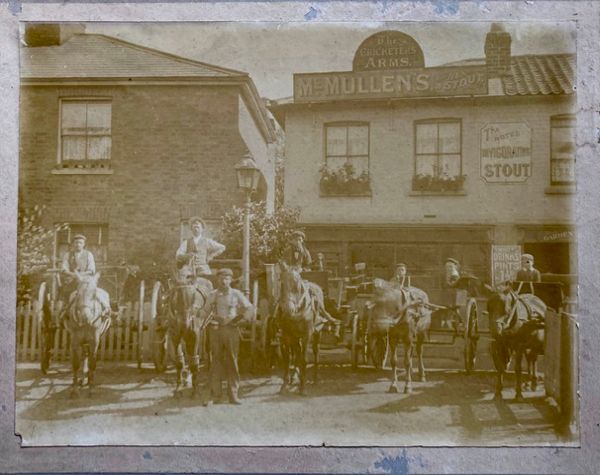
(505, 152)
(388, 50)
(424, 82)
(506, 261)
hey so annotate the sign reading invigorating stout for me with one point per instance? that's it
(506, 261)
(388, 50)
(505, 152)
(424, 82)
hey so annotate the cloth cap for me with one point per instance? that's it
(79, 236)
(453, 261)
(300, 234)
(225, 271)
(529, 257)
(197, 219)
(401, 264)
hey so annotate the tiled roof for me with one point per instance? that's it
(99, 56)
(543, 74)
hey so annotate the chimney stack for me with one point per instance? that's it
(497, 51)
(51, 34)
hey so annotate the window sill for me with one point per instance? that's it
(560, 189)
(365, 194)
(437, 193)
(82, 171)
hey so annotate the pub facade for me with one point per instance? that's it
(397, 162)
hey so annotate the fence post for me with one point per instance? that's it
(140, 325)
(569, 374)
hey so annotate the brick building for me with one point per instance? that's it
(125, 143)
(396, 162)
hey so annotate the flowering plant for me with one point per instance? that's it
(343, 181)
(422, 182)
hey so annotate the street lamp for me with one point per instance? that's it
(248, 175)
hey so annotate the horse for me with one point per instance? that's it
(300, 304)
(398, 316)
(184, 329)
(517, 327)
(86, 326)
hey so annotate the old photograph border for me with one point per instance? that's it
(550, 460)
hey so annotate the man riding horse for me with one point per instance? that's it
(78, 264)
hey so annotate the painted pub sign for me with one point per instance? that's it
(505, 152)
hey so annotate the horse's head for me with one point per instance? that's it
(498, 307)
(292, 289)
(86, 294)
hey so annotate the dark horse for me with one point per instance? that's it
(300, 305)
(86, 325)
(517, 327)
(399, 316)
(186, 300)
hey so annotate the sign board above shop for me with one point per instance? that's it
(388, 50)
(391, 84)
(505, 152)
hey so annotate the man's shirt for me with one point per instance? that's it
(524, 275)
(204, 249)
(227, 305)
(82, 262)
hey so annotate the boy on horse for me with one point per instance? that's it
(401, 278)
(78, 264)
(197, 251)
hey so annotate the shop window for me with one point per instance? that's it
(96, 240)
(346, 167)
(438, 156)
(562, 150)
(85, 135)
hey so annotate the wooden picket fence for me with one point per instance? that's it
(119, 343)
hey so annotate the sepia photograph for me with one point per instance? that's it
(337, 234)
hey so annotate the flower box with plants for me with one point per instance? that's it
(440, 183)
(344, 181)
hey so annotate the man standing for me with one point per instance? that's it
(401, 278)
(297, 254)
(228, 306)
(197, 251)
(528, 273)
(78, 264)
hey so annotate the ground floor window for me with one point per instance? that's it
(551, 258)
(96, 240)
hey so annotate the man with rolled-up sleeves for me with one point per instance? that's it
(229, 307)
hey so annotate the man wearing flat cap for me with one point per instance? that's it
(197, 251)
(296, 254)
(401, 278)
(78, 264)
(528, 273)
(228, 307)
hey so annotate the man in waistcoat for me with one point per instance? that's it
(296, 254)
(400, 278)
(228, 307)
(195, 253)
(78, 264)
(528, 273)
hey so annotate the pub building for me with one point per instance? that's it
(395, 162)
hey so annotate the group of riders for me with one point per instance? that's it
(227, 306)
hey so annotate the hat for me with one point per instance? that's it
(401, 264)
(225, 271)
(197, 219)
(529, 257)
(79, 236)
(300, 234)
(453, 261)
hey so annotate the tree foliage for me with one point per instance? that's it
(269, 233)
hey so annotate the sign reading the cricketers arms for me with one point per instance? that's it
(390, 65)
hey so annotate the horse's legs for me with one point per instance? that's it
(285, 358)
(393, 345)
(408, 348)
(420, 341)
(316, 340)
(192, 347)
(75, 364)
(498, 358)
(518, 388)
(179, 363)
(301, 357)
(91, 357)
(533, 371)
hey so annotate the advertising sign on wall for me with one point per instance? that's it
(505, 152)
(506, 261)
(388, 50)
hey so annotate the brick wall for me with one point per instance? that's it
(172, 147)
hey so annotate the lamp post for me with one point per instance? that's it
(248, 175)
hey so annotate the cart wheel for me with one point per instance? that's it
(44, 322)
(471, 335)
(356, 341)
(159, 332)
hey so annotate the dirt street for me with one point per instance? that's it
(132, 406)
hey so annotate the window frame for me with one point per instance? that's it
(347, 125)
(573, 119)
(438, 121)
(85, 163)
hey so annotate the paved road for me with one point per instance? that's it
(132, 406)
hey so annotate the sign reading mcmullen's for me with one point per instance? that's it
(390, 64)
